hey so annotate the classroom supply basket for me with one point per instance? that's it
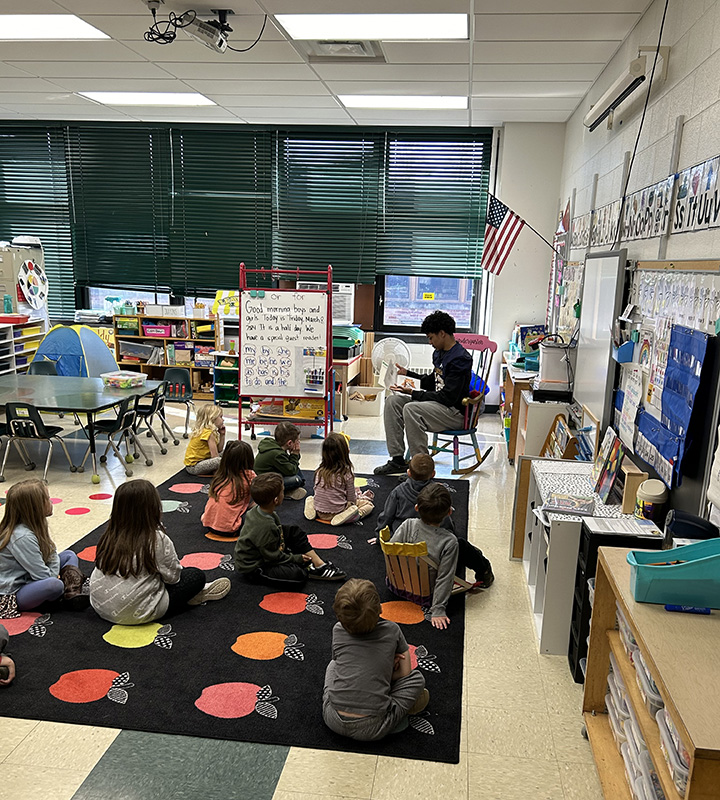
(123, 379)
(695, 581)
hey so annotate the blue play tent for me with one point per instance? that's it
(77, 351)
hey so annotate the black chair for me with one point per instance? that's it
(24, 422)
(146, 413)
(123, 426)
(42, 368)
(683, 525)
(180, 390)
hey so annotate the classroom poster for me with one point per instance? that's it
(647, 338)
(631, 401)
(580, 235)
(658, 361)
(647, 211)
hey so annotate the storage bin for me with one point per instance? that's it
(122, 379)
(32, 330)
(21, 361)
(651, 783)
(678, 770)
(694, 582)
(136, 349)
(680, 748)
(631, 771)
(626, 635)
(633, 753)
(591, 591)
(634, 734)
(653, 701)
(615, 726)
(621, 705)
(372, 403)
(618, 676)
(638, 790)
(624, 353)
(158, 330)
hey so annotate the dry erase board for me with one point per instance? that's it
(283, 341)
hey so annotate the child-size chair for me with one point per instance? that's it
(407, 570)
(474, 405)
(180, 391)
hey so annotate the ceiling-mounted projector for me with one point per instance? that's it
(211, 34)
(635, 74)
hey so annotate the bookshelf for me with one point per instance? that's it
(150, 344)
(559, 443)
(18, 343)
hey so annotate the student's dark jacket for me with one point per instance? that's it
(401, 506)
(272, 458)
(449, 383)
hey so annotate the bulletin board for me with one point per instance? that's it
(283, 341)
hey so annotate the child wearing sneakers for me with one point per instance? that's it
(269, 553)
(444, 548)
(400, 505)
(370, 686)
(336, 499)
(281, 454)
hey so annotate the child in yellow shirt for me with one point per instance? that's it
(207, 440)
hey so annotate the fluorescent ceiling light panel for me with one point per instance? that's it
(398, 27)
(148, 98)
(422, 102)
(55, 27)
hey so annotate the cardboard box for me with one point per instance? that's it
(371, 406)
(367, 376)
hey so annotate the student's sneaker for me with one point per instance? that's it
(350, 514)
(328, 572)
(310, 508)
(486, 580)
(212, 591)
(421, 702)
(297, 494)
(395, 466)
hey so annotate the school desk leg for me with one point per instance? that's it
(95, 478)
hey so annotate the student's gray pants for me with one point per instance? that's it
(403, 694)
(405, 416)
(207, 467)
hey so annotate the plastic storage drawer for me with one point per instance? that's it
(678, 771)
(651, 696)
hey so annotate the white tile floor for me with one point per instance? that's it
(521, 711)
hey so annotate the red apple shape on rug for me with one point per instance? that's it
(84, 685)
(291, 603)
(235, 700)
(22, 623)
(88, 553)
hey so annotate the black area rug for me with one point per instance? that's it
(192, 674)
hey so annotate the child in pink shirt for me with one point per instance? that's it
(336, 499)
(229, 496)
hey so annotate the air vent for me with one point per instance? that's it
(333, 52)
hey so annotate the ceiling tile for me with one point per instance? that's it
(299, 88)
(544, 52)
(368, 7)
(239, 72)
(10, 71)
(292, 122)
(530, 88)
(186, 50)
(399, 87)
(392, 72)
(204, 113)
(31, 7)
(85, 7)
(58, 96)
(536, 72)
(320, 115)
(27, 85)
(524, 103)
(92, 69)
(553, 27)
(67, 107)
(369, 117)
(495, 117)
(72, 114)
(560, 6)
(426, 52)
(121, 85)
(67, 51)
(274, 101)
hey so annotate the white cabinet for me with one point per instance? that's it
(18, 344)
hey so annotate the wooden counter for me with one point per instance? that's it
(682, 651)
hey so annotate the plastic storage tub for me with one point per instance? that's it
(620, 704)
(678, 770)
(680, 748)
(123, 379)
(626, 636)
(159, 331)
(651, 782)
(615, 727)
(372, 403)
(591, 591)
(136, 349)
(631, 770)
(651, 696)
(694, 582)
(632, 732)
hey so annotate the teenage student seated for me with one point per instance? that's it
(274, 554)
(281, 454)
(450, 553)
(437, 405)
(370, 686)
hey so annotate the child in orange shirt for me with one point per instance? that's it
(229, 495)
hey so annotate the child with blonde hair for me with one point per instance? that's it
(336, 499)
(229, 495)
(29, 562)
(207, 440)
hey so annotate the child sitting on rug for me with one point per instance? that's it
(229, 495)
(207, 440)
(281, 454)
(448, 551)
(400, 505)
(370, 686)
(29, 562)
(270, 553)
(336, 499)
(138, 577)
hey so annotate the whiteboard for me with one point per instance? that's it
(283, 343)
(601, 305)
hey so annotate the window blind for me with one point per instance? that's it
(434, 200)
(221, 207)
(34, 202)
(119, 181)
(326, 202)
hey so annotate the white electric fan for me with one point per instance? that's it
(390, 351)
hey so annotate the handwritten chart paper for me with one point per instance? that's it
(279, 329)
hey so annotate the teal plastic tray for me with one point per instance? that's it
(693, 583)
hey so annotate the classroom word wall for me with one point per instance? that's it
(283, 343)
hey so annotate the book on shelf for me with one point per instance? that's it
(559, 503)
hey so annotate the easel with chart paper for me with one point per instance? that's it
(285, 364)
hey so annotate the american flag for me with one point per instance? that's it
(502, 229)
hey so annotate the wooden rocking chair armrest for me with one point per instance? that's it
(473, 401)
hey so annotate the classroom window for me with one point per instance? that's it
(409, 299)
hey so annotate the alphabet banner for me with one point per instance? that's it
(647, 211)
(580, 236)
(604, 228)
(697, 205)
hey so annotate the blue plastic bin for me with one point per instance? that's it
(693, 583)
(624, 353)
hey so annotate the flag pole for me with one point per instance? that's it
(551, 246)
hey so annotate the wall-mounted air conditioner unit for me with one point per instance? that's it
(343, 301)
(633, 76)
